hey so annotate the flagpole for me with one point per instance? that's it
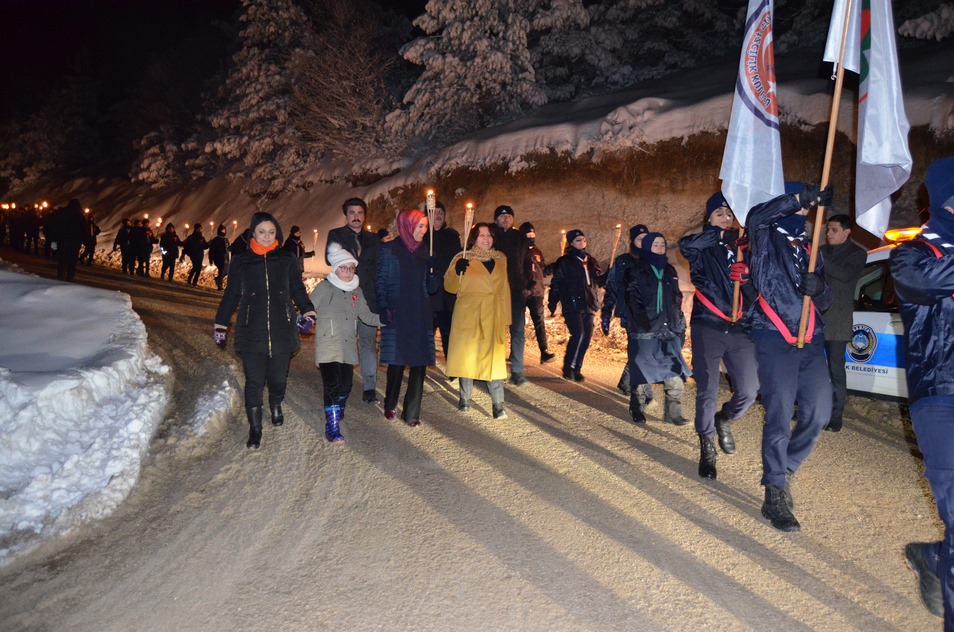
(737, 285)
(826, 172)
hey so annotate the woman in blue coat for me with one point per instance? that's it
(405, 279)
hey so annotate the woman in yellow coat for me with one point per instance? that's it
(481, 318)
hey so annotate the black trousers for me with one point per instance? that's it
(195, 271)
(168, 263)
(442, 322)
(535, 305)
(336, 380)
(261, 370)
(835, 350)
(413, 395)
(580, 326)
(66, 262)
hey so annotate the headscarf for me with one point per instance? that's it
(407, 221)
(658, 265)
(659, 261)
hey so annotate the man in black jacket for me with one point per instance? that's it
(363, 246)
(446, 245)
(844, 261)
(513, 243)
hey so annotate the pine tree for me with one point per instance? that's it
(340, 99)
(477, 68)
(251, 125)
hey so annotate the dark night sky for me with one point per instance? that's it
(46, 39)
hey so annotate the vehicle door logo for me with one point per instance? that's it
(864, 341)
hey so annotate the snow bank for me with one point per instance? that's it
(80, 398)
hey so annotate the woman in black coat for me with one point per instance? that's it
(265, 287)
(576, 276)
(404, 281)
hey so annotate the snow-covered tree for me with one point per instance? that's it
(60, 135)
(250, 126)
(339, 97)
(937, 24)
(561, 48)
(645, 39)
(477, 68)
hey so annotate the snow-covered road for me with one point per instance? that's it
(563, 517)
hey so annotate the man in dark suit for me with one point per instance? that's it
(364, 246)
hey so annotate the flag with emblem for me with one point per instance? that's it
(883, 158)
(752, 161)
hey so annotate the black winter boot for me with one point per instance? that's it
(776, 510)
(254, 426)
(707, 458)
(277, 417)
(636, 408)
(724, 430)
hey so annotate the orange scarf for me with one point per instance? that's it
(259, 249)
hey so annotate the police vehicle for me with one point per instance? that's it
(874, 358)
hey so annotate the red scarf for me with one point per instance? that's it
(259, 249)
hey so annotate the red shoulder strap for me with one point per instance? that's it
(780, 325)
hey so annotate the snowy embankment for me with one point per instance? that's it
(80, 398)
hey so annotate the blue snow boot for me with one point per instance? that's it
(342, 400)
(332, 417)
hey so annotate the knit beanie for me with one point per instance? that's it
(338, 256)
(636, 231)
(503, 210)
(717, 200)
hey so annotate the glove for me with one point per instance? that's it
(386, 316)
(604, 325)
(813, 196)
(739, 272)
(218, 335)
(730, 236)
(461, 266)
(306, 324)
(812, 284)
(742, 243)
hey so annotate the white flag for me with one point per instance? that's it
(884, 160)
(752, 162)
(852, 59)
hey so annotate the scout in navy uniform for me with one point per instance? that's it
(923, 271)
(715, 337)
(614, 299)
(778, 266)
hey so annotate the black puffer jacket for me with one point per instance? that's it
(265, 289)
(577, 293)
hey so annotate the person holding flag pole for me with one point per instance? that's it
(777, 269)
(717, 333)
